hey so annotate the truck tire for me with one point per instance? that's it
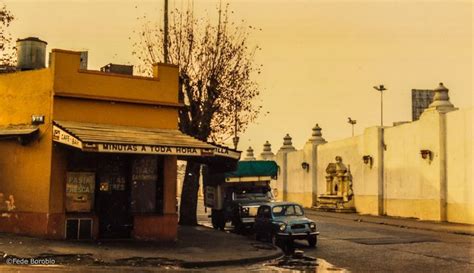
(238, 225)
(221, 222)
(214, 219)
(218, 221)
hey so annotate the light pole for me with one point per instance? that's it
(381, 88)
(352, 122)
(381, 179)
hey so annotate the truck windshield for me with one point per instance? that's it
(253, 194)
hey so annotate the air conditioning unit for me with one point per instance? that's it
(79, 228)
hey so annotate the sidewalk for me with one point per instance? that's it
(196, 247)
(463, 229)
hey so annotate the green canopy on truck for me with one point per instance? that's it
(254, 168)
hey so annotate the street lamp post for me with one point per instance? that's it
(352, 122)
(381, 88)
(381, 183)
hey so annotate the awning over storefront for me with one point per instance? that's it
(106, 138)
(17, 130)
(24, 133)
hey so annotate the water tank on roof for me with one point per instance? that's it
(31, 53)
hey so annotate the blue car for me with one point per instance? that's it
(283, 222)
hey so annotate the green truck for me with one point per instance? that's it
(235, 196)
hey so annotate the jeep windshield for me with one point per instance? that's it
(287, 210)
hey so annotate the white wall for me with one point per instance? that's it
(364, 177)
(413, 183)
(459, 165)
(300, 187)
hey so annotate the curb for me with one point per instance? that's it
(382, 222)
(242, 261)
(232, 262)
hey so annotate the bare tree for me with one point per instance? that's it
(216, 66)
(7, 56)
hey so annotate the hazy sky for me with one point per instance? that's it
(321, 58)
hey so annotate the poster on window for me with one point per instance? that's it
(144, 182)
(80, 187)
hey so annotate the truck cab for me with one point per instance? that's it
(235, 196)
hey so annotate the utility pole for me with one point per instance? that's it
(235, 139)
(352, 122)
(165, 38)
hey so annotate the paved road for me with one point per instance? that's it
(366, 247)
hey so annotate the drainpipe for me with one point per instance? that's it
(381, 180)
(443, 183)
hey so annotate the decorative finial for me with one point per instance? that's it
(287, 144)
(287, 140)
(250, 155)
(267, 153)
(317, 131)
(317, 136)
(441, 99)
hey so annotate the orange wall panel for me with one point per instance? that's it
(69, 79)
(155, 227)
(116, 113)
(25, 169)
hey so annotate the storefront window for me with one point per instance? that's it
(114, 185)
(147, 184)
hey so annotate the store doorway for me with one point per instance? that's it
(113, 197)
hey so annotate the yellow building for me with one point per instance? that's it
(89, 154)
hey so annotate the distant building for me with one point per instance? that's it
(7, 68)
(420, 100)
(118, 69)
(84, 59)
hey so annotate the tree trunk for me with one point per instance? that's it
(189, 195)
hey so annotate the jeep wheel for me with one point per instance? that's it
(312, 241)
(275, 240)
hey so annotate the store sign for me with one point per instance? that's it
(226, 152)
(163, 150)
(61, 136)
(80, 190)
(210, 197)
(147, 149)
